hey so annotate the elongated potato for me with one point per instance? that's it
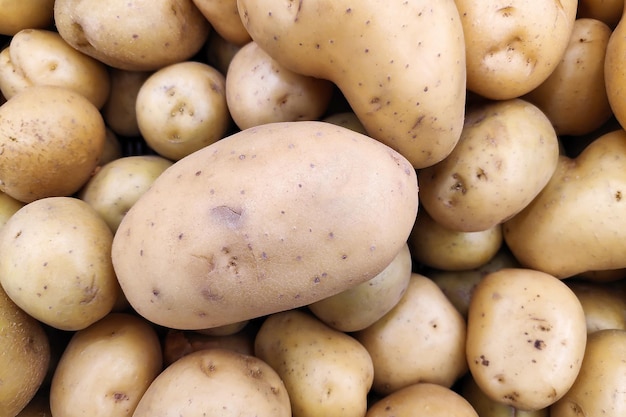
(271, 218)
(400, 65)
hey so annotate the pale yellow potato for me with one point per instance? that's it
(438, 247)
(119, 110)
(511, 48)
(25, 357)
(8, 206)
(326, 372)
(615, 73)
(608, 11)
(506, 155)
(400, 65)
(599, 387)
(25, 14)
(216, 382)
(526, 336)
(42, 57)
(431, 400)
(362, 305)
(224, 18)
(604, 307)
(182, 108)
(574, 96)
(422, 339)
(51, 140)
(260, 90)
(263, 221)
(142, 35)
(55, 262)
(106, 368)
(574, 224)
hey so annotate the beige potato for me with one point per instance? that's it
(607, 11)
(574, 224)
(216, 382)
(325, 371)
(55, 262)
(25, 14)
(51, 139)
(437, 247)
(37, 56)
(106, 368)
(112, 148)
(574, 96)
(117, 186)
(260, 90)
(603, 361)
(614, 72)
(263, 221)
(422, 339)
(8, 206)
(151, 35)
(25, 357)
(224, 18)
(362, 305)
(506, 155)
(412, 95)
(119, 110)
(511, 48)
(526, 336)
(182, 108)
(604, 307)
(433, 399)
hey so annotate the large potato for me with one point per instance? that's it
(526, 336)
(512, 47)
(507, 153)
(400, 65)
(25, 14)
(270, 218)
(51, 140)
(142, 35)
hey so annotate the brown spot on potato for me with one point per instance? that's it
(120, 396)
(539, 344)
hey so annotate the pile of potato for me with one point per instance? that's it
(312, 208)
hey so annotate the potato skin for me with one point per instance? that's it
(263, 221)
(25, 14)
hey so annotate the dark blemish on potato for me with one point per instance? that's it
(156, 292)
(207, 367)
(141, 252)
(180, 236)
(418, 122)
(316, 279)
(45, 264)
(539, 344)
(348, 10)
(500, 378)
(481, 174)
(230, 217)
(618, 195)
(344, 257)
(264, 255)
(120, 396)
(209, 295)
(18, 234)
(513, 397)
(483, 361)
(458, 185)
(331, 235)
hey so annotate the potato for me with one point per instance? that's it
(119, 110)
(346, 119)
(604, 307)
(112, 148)
(362, 305)
(224, 18)
(179, 343)
(422, 339)
(25, 14)
(37, 56)
(435, 246)
(106, 368)
(55, 262)
(51, 139)
(117, 186)
(574, 224)
(151, 35)
(574, 96)
(216, 382)
(270, 218)
(425, 399)
(512, 48)
(614, 73)
(220, 52)
(607, 11)
(526, 336)
(260, 90)
(491, 175)
(412, 95)
(599, 387)
(8, 206)
(326, 372)
(25, 357)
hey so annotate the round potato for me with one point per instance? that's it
(119, 110)
(152, 33)
(51, 140)
(512, 48)
(604, 307)
(25, 14)
(263, 221)
(25, 357)
(259, 90)
(216, 382)
(106, 368)
(507, 153)
(115, 187)
(182, 108)
(224, 18)
(526, 336)
(55, 262)
(37, 56)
